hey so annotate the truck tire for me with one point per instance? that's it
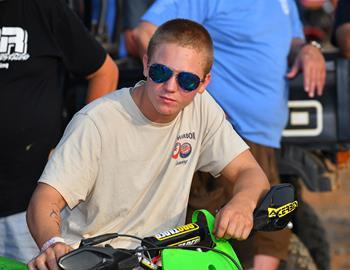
(299, 257)
(309, 229)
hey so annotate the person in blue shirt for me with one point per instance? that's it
(255, 41)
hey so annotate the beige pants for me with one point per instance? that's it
(212, 194)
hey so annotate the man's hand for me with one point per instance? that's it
(249, 183)
(142, 34)
(311, 61)
(47, 260)
(235, 219)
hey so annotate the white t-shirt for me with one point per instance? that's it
(120, 172)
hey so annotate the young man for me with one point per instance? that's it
(126, 161)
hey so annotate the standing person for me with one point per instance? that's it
(253, 40)
(126, 161)
(37, 37)
(341, 30)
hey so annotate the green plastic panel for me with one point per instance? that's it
(175, 259)
(8, 264)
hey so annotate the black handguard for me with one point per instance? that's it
(276, 209)
(192, 234)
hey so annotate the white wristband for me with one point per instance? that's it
(51, 241)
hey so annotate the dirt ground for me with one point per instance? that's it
(334, 210)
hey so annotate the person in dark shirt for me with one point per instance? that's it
(37, 39)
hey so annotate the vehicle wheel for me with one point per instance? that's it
(299, 257)
(309, 229)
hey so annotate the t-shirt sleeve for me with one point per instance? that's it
(72, 168)
(81, 53)
(165, 10)
(297, 26)
(220, 144)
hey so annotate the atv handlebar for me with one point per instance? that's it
(191, 246)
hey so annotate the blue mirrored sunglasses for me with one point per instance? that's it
(161, 73)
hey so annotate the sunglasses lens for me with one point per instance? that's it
(188, 81)
(159, 73)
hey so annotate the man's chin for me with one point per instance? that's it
(168, 115)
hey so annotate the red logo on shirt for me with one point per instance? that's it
(176, 150)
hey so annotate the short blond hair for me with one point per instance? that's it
(185, 33)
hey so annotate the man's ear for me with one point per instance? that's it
(204, 85)
(145, 65)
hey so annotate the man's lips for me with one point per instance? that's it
(167, 99)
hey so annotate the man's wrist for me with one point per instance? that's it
(50, 242)
(313, 43)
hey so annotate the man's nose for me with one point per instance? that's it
(171, 84)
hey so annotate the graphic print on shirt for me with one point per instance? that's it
(183, 148)
(13, 45)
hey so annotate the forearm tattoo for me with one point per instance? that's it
(55, 215)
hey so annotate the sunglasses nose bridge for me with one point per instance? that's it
(171, 84)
